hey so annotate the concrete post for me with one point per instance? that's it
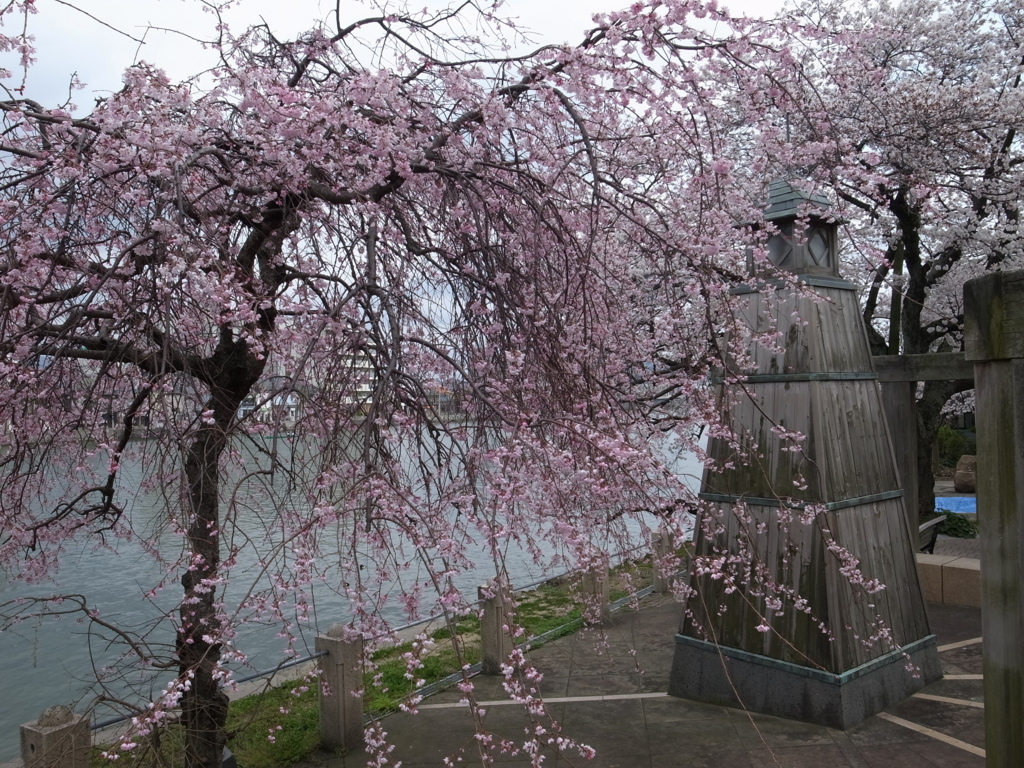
(661, 547)
(595, 591)
(496, 642)
(58, 739)
(994, 341)
(341, 712)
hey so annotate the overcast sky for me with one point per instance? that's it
(68, 41)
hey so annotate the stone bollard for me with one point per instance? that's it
(966, 478)
(496, 642)
(595, 591)
(58, 739)
(341, 711)
(994, 341)
(661, 547)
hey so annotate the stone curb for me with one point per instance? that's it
(949, 579)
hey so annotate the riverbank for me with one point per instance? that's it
(274, 722)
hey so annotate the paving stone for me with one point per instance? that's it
(603, 685)
(875, 731)
(674, 710)
(614, 728)
(969, 690)
(654, 683)
(812, 756)
(968, 658)
(686, 757)
(950, 545)
(848, 749)
(758, 731)
(942, 755)
(950, 719)
(894, 756)
(608, 761)
(702, 736)
(954, 623)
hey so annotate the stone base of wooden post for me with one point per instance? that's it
(994, 341)
(58, 739)
(496, 641)
(730, 677)
(341, 711)
(595, 591)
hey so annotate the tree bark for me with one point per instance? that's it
(917, 339)
(205, 705)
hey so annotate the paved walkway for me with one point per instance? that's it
(613, 700)
(954, 547)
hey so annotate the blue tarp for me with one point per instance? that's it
(959, 504)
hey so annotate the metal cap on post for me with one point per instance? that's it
(994, 341)
(496, 641)
(341, 710)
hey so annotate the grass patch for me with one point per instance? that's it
(395, 687)
(292, 721)
(547, 608)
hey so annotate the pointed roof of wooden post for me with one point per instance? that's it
(785, 201)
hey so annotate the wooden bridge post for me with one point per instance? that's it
(597, 608)
(994, 341)
(496, 642)
(661, 547)
(341, 711)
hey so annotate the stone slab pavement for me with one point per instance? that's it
(954, 547)
(608, 693)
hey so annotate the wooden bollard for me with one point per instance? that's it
(661, 547)
(341, 711)
(595, 591)
(58, 739)
(994, 341)
(496, 642)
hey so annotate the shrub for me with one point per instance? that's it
(953, 445)
(960, 526)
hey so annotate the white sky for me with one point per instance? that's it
(70, 42)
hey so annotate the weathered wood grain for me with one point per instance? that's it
(994, 338)
(846, 454)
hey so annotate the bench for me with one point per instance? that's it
(927, 533)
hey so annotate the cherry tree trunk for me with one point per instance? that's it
(205, 705)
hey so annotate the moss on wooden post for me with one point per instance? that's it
(994, 340)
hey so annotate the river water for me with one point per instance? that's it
(52, 661)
